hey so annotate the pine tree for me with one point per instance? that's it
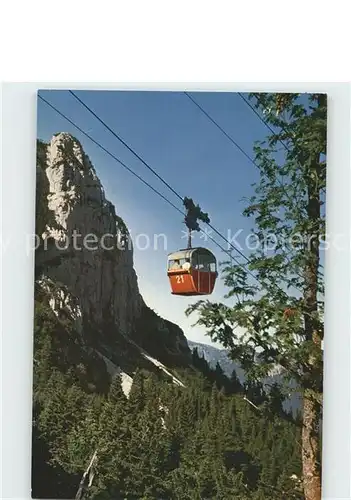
(116, 393)
(137, 398)
(112, 438)
(235, 384)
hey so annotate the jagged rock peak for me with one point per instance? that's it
(103, 279)
(71, 205)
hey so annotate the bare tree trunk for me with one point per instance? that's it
(310, 449)
(312, 390)
(87, 479)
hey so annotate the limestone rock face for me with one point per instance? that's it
(87, 248)
(104, 280)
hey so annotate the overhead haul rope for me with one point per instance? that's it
(151, 187)
(136, 175)
(116, 135)
(153, 171)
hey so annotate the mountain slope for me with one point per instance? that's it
(84, 266)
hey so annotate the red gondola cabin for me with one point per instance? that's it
(192, 271)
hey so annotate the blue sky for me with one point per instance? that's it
(187, 150)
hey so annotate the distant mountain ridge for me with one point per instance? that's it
(214, 355)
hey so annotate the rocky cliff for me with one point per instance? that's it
(84, 265)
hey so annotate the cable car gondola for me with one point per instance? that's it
(192, 271)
